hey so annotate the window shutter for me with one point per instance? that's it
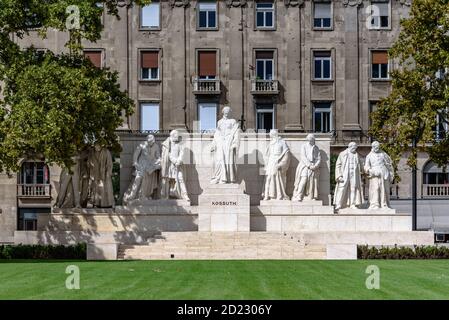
(150, 59)
(264, 54)
(94, 57)
(380, 57)
(322, 10)
(383, 9)
(207, 63)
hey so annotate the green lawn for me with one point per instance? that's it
(412, 279)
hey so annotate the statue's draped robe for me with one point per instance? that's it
(100, 169)
(68, 187)
(278, 161)
(306, 179)
(146, 182)
(380, 171)
(349, 192)
(226, 136)
(173, 184)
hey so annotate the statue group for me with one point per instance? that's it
(159, 174)
(88, 181)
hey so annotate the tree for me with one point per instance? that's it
(419, 100)
(56, 104)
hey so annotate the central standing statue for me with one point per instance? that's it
(307, 173)
(226, 145)
(100, 172)
(172, 174)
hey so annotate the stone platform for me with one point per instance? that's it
(224, 207)
(287, 207)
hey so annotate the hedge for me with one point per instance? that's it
(416, 252)
(73, 252)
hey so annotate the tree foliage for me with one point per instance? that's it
(420, 87)
(55, 104)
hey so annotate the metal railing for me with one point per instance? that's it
(206, 85)
(264, 86)
(435, 190)
(33, 190)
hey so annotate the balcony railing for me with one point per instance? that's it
(264, 86)
(435, 191)
(206, 86)
(33, 190)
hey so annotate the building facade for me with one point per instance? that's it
(294, 65)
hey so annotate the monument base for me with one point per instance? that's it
(380, 211)
(287, 207)
(224, 207)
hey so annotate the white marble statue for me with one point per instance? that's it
(278, 161)
(379, 168)
(147, 164)
(100, 173)
(172, 174)
(348, 171)
(307, 172)
(225, 145)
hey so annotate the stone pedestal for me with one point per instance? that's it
(382, 211)
(287, 207)
(224, 207)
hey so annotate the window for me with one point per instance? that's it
(322, 65)
(265, 15)
(149, 116)
(27, 219)
(441, 128)
(322, 15)
(372, 108)
(322, 117)
(95, 56)
(149, 65)
(150, 16)
(264, 117)
(264, 65)
(207, 15)
(434, 174)
(34, 173)
(380, 14)
(207, 65)
(379, 65)
(207, 113)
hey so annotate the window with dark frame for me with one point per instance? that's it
(149, 65)
(265, 117)
(380, 14)
(379, 65)
(322, 15)
(207, 15)
(207, 65)
(322, 65)
(265, 17)
(264, 65)
(322, 117)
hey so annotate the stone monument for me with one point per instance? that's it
(307, 172)
(379, 168)
(348, 175)
(146, 161)
(223, 205)
(278, 161)
(100, 173)
(172, 173)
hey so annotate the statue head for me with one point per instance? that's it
(174, 136)
(150, 139)
(311, 138)
(274, 134)
(352, 147)
(375, 146)
(226, 111)
(97, 147)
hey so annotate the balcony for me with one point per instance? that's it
(34, 191)
(264, 86)
(206, 86)
(435, 191)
